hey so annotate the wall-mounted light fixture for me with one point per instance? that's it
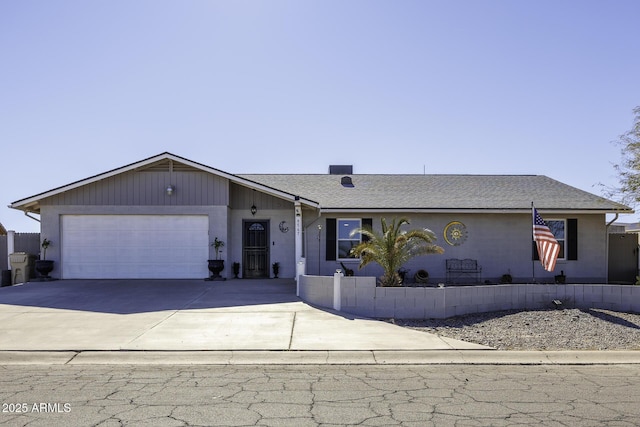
(253, 205)
(170, 190)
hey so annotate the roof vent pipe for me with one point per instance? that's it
(346, 181)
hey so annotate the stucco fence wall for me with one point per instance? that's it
(360, 296)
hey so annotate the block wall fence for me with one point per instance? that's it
(361, 296)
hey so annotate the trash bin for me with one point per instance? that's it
(22, 265)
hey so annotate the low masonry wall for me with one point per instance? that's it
(361, 296)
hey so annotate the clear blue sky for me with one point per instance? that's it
(478, 87)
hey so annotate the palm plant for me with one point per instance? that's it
(392, 248)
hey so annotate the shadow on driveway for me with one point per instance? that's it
(142, 296)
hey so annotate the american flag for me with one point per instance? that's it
(548, 246)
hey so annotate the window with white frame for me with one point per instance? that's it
(345, 240)
(558, 227)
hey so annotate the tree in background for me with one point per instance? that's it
(628, 169)
(393, 248)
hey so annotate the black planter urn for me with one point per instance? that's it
(44, 267)
(236, 269)
(215, 267)
(561, 278)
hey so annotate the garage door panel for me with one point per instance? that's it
(134, 246)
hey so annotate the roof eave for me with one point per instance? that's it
(476, 210)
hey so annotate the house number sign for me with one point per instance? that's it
(455, 233)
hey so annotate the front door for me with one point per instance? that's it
(255, 249)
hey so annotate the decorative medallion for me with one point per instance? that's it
(455, 233)
(283, 227)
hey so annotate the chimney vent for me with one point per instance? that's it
(341, 170)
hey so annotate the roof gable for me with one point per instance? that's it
(162, 162)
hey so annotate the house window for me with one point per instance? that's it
(345, 241)
(334, 235)
(558, 227)
(566, 233)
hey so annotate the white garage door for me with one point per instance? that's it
(135, 246)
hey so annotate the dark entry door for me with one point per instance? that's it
(255, 249)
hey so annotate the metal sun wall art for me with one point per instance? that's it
(455, 233)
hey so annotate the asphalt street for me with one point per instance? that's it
(320, 395)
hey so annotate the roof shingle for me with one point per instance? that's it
(490, 192)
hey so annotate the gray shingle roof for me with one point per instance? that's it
(439, 192)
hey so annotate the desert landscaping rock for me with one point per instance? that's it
(555, 329)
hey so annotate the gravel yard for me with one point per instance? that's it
(555, 329)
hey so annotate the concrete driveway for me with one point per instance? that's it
(173, 315)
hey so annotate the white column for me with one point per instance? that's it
(337, 293)
(10, 246)
(298, 226)
(300, 265)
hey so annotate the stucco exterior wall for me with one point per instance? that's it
(269, 208)
(360, 296)
(143, 193)
(140, 193)
(500, 242)
(281, 244)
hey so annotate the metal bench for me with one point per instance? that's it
(463, 269)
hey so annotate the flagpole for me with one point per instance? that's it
(533, 261)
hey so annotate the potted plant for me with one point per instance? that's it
(276, 269)
(236, 269)
(421, 276)
(506, 278)
(216, 265)
(44, 266)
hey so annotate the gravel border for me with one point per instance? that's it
(554, 329)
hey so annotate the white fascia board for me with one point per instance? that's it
(473, 211)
